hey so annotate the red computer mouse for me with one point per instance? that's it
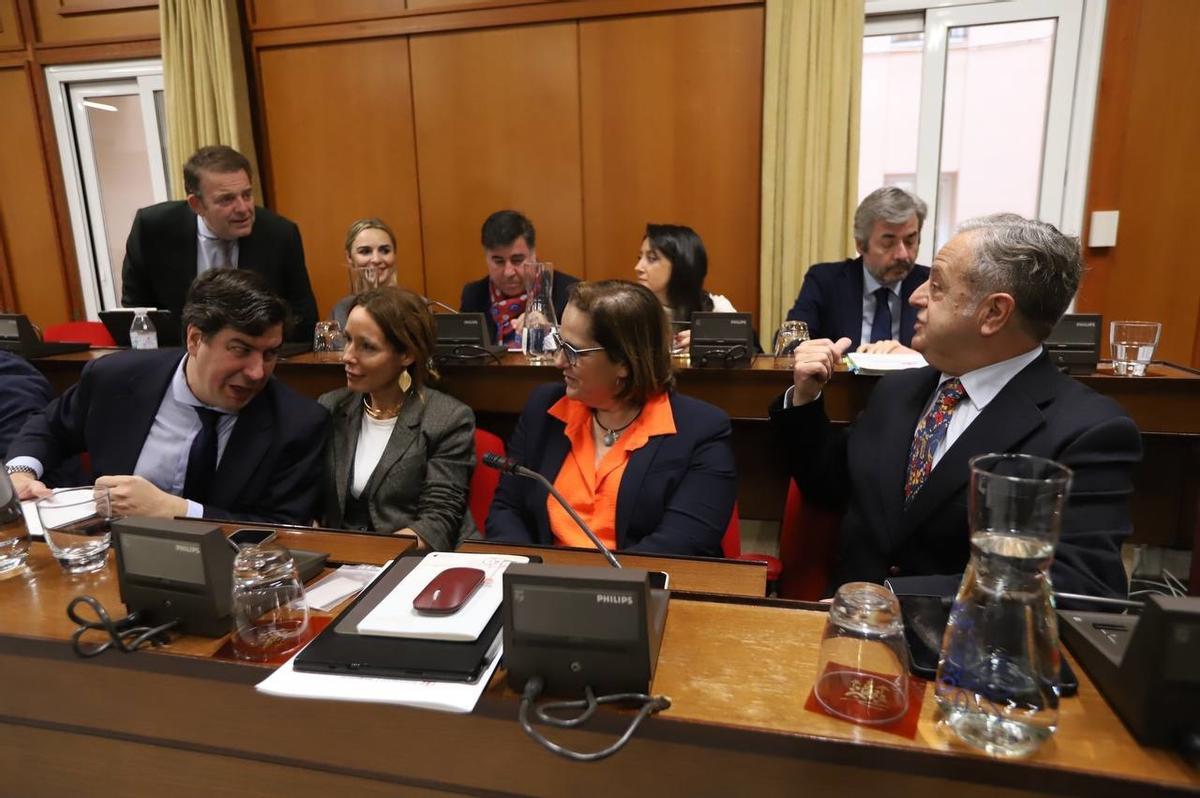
(447, 592)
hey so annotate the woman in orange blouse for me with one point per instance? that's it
(648, 469)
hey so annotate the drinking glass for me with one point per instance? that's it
(862, 672)
(1132, 345)
(14, 536)
(270, 615)
(78, 527)
(328, 339)
(539, 337)
(790, 335)
(997, 679)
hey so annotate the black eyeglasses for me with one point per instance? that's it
(572, 354)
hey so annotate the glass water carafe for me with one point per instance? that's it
(539, 339)
(997, 680)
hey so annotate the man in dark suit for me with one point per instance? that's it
(846, 299)
(218, 226)
(207, 432)
(508, 240)
(900, 472)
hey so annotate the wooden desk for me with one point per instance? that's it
(1165, 405)
(738, 672)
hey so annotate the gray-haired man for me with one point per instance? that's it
(865, 299)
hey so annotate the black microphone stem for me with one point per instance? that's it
(608, 555)
(441, 305)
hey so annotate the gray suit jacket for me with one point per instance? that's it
(421, 481)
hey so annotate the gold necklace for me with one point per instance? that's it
(383, 414)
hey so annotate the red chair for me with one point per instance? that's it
(484, 480)
(731, 545)
(807, 547)
(79, 332)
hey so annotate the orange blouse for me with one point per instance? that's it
(592, 488)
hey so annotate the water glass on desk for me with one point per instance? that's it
(14, 535)
(790, 335)
(328, 340)
(270, 614)
(862, 671)
(78, 527)
(997, 679)
(1132, 345)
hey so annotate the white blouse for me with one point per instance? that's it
(372, 440)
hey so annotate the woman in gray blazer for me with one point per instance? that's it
(400, 454)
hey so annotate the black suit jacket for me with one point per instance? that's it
(476, 299)
(831, 301)
(160, 261)
(268, 472)
(676, 495)
(1040, 412)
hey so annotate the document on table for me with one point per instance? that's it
(336, 587)
(864, 363)
(32, 522)
(459, 697)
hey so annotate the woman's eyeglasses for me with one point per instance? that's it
(572, 354)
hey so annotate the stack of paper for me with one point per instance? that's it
(863, 363)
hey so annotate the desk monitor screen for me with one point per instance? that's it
(9, 329)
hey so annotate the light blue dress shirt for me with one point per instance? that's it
(212, 252)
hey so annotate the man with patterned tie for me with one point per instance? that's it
(206, 432)
(217, 227)
(509, 241)
(866, 298)
(900, 473)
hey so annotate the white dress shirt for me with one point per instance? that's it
(213, 252)
(373, 438)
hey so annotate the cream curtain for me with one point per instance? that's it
(204, 75)
(812, 74)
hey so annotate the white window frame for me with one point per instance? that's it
(1074, 79)
(68, 86)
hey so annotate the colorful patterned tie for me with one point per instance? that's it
(931, 432)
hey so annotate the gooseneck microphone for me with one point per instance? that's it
(507, 465)
(441, 305)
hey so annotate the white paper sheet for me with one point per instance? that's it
(32, 523)
(864, 363)
(336, 587)
(395, 616)
(457, 697)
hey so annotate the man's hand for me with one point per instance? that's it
(28, 487)
(132, 495)
(886, 348)
(519, 323)
(813, 365)
(682, 341)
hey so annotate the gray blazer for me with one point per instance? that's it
(421, 481)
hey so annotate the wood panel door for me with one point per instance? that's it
(338, 127)
(497, 116)
(672, 119)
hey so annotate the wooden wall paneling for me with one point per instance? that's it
(56, 28)
(338, 125)
(672, 110)
(10, 28)
(1145, 164)
(27, 213)
(283, 13)
(497, 114)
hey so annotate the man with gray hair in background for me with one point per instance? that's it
(866, 298)
(900, 471)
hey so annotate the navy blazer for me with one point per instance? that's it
(676, 495)
(160, 261)
(831, 301)
(26, 391)
(270, 468)
(477, 299)
(1040, 412)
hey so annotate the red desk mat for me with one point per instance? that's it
(904, 726)
(316, 624)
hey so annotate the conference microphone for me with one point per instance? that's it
(507, 465)
(441, 305)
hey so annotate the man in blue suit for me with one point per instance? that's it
(865, 299)
(203, 432)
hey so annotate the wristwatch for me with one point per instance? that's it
(21, 469)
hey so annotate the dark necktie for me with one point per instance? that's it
(930, 433)
(202, 458)
(881, 325)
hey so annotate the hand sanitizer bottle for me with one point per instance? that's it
(142, 334)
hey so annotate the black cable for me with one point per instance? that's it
(121, 633)
(533, 688)
(466, 352)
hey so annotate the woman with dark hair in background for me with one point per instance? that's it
(648, 469)
(673, 264)
(400, 454)
(370, 261)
